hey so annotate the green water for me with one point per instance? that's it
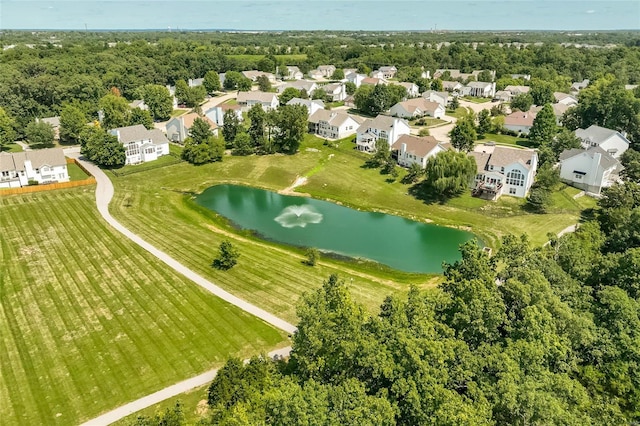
(400, 243)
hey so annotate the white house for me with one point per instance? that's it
(388, 72)
(577, 86)
(611, 141)
(519, 121)
(355, 78)
(195, 82)
(326, 70)
(381, 127)
(376, 74)
(517, 90)
(172, 92)
(177, 128)
(141, 145)
(333, 124)
(306, 85)
(418, 150)
(452, 86)
(267, 100)
(292, 73)
(138, 103)
(412, 89)
(17, 169)
(482, 89)
(565, 98)
(216, 113)
(417, 107)
(588, 169)
(374, 81)
(440, 97)
(336, 91)
(312, 105)
(254, 74)
(503, 170)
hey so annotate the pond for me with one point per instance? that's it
(394, 241)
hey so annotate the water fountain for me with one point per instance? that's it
(300, 216)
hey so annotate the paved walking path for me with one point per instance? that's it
(104, 194)
(166, 393)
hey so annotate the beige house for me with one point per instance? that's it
(178, 127)
(267, 100)
(333, 124)
(519, 121)
(416, 150)
(417, 107)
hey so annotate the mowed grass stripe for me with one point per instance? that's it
(110, 323)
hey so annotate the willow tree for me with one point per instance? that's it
(449, 173)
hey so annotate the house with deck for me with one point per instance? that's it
(381, 127)
(43, 166)
(565, 98)
(410, 150)
(333, 124)
(413, 91)
(335, 91)
(452, 86)
(589, 169)
(292, 73)
(355, 78)
(141, 145)
(254, 74)
(503, 170)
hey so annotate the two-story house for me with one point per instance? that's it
(141, 145)
(416, 150)
(381, 127)
(335, 91)
(308, 86)
(216, 114)
(177, 128)
(292, 73)
(503, 170)
(43, 166)
(417, 107)
(312, 105)
(333, 124)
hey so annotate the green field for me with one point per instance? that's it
(89, 321)
(75, 172)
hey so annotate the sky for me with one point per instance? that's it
(372, 15)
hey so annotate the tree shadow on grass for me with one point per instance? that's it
(428, 195)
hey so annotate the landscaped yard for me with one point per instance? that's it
(476, 100)
(458, 113)
(75, 172)
(90, 321)
(12, 147)
(506, 140)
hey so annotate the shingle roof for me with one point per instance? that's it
(482, 158)
(607, 161)
(560, 96)
(502, 156)
(420, 146)
(157, 137)
(595, 134)
(517, 89)
(372, 80)
(139, 133)
(381, 122)
(411, 105)
(53, 121)
(478, 84)
(188, 120)
(520, 118)
(306, 102)
(256, 95)
(40, 157)
(335, 118)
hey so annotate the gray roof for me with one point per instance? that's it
(306, 102)
(381, 122)
(596, 134)
(256, 95)
(420, 146)
(502, 156)
(482, 158)
(53, 121)
(478, 84)
(335, 118)
(139, 133)
(40, 157)
(298, 84)
(606, 161)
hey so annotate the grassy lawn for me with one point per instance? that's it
(232, 102)
(334, 104)
(476, 100)
(179, 112)
(11, 147)
(163, 161)
(89, 321)
(506, 140)
(458, 113)
(75, 172)
(429, 122)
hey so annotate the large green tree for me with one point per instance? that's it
(544, 127)
(291, 126)
(211, 82)
(463, 135)
(115, 111)
(202, 146)
(40, 134)
(102, 148)
(449, 173)
(631, 162)
(72, 122)
(231, 127)
(7, 129)
(288, 94)
(158, 100)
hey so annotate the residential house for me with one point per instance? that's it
(355, 78)
(558, 110)
(440, 97)
(326, 71)
(178, 127)
(17, 169)
(416, 150)
(195, 82)
(481, 89)
(456, 74)
(312, 105)
(315, 74)
(336, 91)
(373, 81)
(388, 72)
(565, 98)
(347, 71)
(141, 145)
(412, 89)
(503, 170)
(376, 74)
(138, 103)
(306, 85)
(452, 86)
(611, 141)
(589, 169)
(292, 73)
(333, 124)
(425, 74)
(516, 90)
(417, 107)
(502, 96)
(254, 74)
(350, 101)
(519, 121)
(54, 122)
(267, 100)
(217, 113)
(172, 92)
(579, 85)
(381, 127)
(525, 77)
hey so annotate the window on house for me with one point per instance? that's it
(5, 174)
(578, 176)
(515, 177)
(512, 191)
(37, 170)
(133, 149)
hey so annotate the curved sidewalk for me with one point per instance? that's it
(104, 194)
(166, 393)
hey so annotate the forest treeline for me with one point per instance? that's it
(80, 68)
